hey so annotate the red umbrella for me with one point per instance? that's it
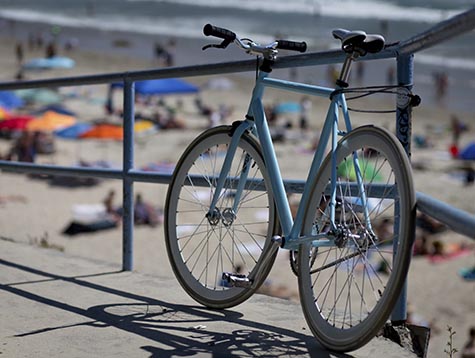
(17, 123)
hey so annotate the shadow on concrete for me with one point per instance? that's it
(178, 330)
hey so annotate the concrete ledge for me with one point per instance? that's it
(56, 305)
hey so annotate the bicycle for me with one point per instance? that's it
(227, 212)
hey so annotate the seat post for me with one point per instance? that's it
(345, 69)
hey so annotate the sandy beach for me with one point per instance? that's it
(36, 212)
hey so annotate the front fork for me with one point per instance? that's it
(213, 214)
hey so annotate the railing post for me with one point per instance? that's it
(405, 68)
(127, 182)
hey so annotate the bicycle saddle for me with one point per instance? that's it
(359, 41)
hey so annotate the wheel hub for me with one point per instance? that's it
(228, 216)
(213, 217)
(341, 236)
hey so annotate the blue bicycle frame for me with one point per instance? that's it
(257, 123)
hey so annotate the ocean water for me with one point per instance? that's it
(309, 20)
(263, 20)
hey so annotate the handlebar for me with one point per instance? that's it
(292, 45)
(267, 51)
(210, 30)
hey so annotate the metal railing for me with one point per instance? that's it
(457, 220)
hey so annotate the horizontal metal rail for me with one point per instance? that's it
(443, 31)
(457, 220)
(292, 186)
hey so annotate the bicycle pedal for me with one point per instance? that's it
(236, 280)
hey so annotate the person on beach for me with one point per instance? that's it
(441, 81)
(111, 210)
(215, 116)
(160, 53)
(19, 53)
(51, 50)
(457, 128)
(170, 58)
(145, 213)
(23, 150)
(305, 107)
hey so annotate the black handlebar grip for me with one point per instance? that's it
(292, 45)
(210, 30)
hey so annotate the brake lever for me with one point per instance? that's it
(222, 45)
(211, 45)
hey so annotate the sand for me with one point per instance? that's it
(33, 211)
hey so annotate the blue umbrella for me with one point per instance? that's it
(49, 63)
(56, 108)
(161, 87)
(287, 107)
(10, 100)
(468, 153)
(74, 131)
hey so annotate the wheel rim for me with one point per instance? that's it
(202, 248)
(349, 290)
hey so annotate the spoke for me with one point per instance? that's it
(193, 234)
(251, 236)
(336, 262)
(245, 247)
(204, 244)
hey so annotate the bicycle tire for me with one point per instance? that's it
(346, 295)
(200, 251)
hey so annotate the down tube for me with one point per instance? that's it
(272, 165)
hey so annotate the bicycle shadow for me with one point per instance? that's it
(177, 329)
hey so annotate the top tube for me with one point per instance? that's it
(298, 87)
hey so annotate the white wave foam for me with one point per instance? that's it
(366, 9)
(144, 25)
(170, 27)
(447, 62)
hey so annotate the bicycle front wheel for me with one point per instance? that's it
(348, 288)
(200, 247)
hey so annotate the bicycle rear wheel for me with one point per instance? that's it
(200, 249)
(348, 290)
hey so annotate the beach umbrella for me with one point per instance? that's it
(161, 87)
(39, 96)
(16, 123)
(142, 126)
(50, 121)
(74, 131)
(287, 107)
(4, 114)
(10, 100)
(104, 131)
(49, 63)
(58, 108)
(468, 153)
